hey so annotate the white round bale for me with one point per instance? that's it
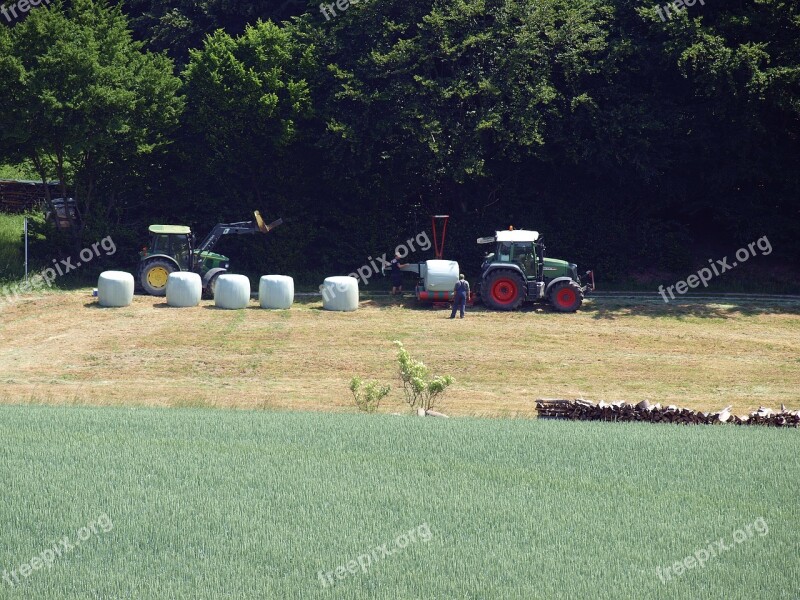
(232, 291)
(339, 293)
(440, 275)
(184, 289)
(115, 288)
(276, 291)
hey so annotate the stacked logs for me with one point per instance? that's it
(582, 410)
(19, 196)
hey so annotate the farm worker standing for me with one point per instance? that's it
(461, 291)
(397, 275)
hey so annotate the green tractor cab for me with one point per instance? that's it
(172, 248)
(518, 271)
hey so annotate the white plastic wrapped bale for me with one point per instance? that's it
(276, 291)
(339, 293)
(232, 291)
(440, 275)
(184, 289)
(115, 288)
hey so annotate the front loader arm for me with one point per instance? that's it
(241, 228)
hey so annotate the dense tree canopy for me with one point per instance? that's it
(639, 145)
(85, 105)
(176, 26)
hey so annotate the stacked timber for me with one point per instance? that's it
(18, 196)
(583, 410)
(766, 416)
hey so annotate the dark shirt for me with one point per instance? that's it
(397, 274)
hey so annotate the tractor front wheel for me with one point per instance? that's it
(154, 276)
(503, 289)
(566, 296)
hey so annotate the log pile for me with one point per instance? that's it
(583, 410)
(19, 196)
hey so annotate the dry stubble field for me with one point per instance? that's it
(62, 349)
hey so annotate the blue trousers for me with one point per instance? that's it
(459, 303)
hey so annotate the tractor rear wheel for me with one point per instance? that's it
(503, 289)
(566, 296)
(154, 276)
(208, 292)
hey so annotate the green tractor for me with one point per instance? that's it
(518, 271)
(172, 248)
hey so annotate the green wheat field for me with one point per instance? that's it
(204, 503)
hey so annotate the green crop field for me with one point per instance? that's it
(203, 503)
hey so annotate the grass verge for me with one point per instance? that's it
(12, 257)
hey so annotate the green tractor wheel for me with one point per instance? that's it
(154, 276)
(566, 296)
(503, 289)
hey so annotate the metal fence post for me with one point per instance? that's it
(26, 248)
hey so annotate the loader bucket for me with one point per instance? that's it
(260, 222)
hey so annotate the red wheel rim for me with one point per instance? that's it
(504, 291)
(565, 297)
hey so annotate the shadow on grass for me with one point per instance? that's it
(214, 307)
(722, 308)
(598, 308)
(211, 306)
(410, 302)
(96, 304)
(379, 302)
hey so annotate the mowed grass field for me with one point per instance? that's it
(198, 503)
(61, 348)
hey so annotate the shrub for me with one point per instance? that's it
(368, 395)
(421, 390)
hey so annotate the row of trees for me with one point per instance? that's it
(636, 144)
